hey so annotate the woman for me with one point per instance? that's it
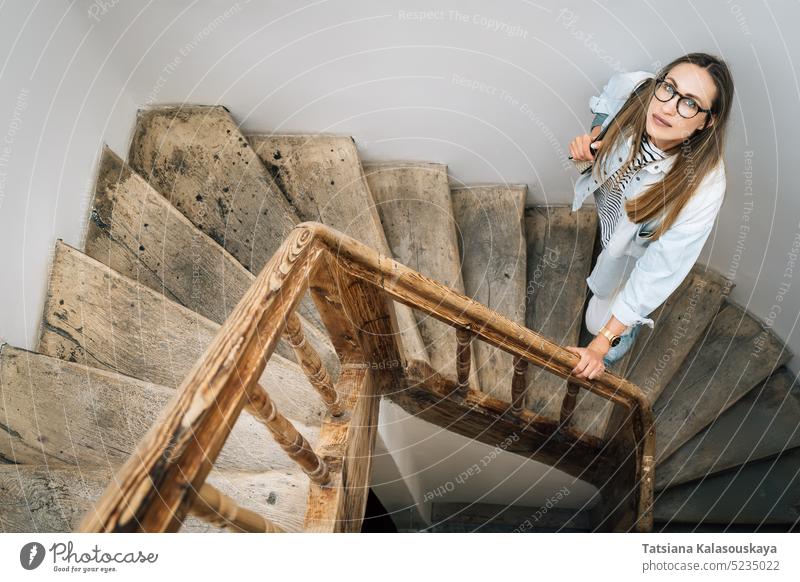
(656, 202)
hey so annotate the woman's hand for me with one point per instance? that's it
(591, 363)
(579, 148)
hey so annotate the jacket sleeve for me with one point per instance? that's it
(615, 93)
(667, 260)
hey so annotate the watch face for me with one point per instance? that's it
(615, 341)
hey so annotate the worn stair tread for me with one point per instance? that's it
(322, 177)
(95, 316)
(491, 238)
(55, 499)
(413, 201)
(762, 492)
(138, 233)
(199, 160)
(658, 354)
(559, 254)
(679, 323)
(68, 413)
(735, 355)
(762, 424)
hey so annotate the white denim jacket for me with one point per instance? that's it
(646, 272)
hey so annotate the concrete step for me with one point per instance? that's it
(322, 177)
(762, 424)
(413, 201)
(199, 160)
(491, 236)
(680, 323)
(762, 493)
(95, 316)
(559, 254)
(62, 412)
(55, 498)
(138, 233)
(735, 355)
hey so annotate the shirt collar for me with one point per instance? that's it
(661, 165)
(657, 166)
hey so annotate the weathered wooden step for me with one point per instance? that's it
(659, 353)
(95, 316)
(413, 201)
(68, 413)
(735, 354)
(763, 492)
(559, 255)
(322, 177)
(199, 160)
(55, 498)
(680, 323)
(138, 233)
(491, 236)
(762, 424)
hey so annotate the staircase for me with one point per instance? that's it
(224, 272)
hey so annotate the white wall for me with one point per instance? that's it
(60, 98)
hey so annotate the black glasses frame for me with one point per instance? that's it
(661, 80)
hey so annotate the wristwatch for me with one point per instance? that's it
(612, 339)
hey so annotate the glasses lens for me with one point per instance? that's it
(664, 91)
(687, 107)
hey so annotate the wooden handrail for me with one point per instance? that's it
(350, 284)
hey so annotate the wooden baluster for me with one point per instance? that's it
(286, 435)
(220, 510)
(311, 364)
(518, 385)
(568, 405)
(463, 359)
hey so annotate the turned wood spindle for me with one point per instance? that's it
(220, 510)
(518, 385)
(463, 358)
(568, 405)
(311, 364)
(287, 436)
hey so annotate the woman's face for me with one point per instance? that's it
(691, 81)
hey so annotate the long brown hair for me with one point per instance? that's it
(696, 156)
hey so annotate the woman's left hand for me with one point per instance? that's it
(591, 363)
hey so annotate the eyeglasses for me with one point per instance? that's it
(687, 106)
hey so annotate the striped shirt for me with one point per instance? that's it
(608, 196)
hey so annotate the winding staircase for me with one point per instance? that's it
(276, 275)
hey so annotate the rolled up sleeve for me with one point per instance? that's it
(667, 260)
(658, 273)
(615, 92)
